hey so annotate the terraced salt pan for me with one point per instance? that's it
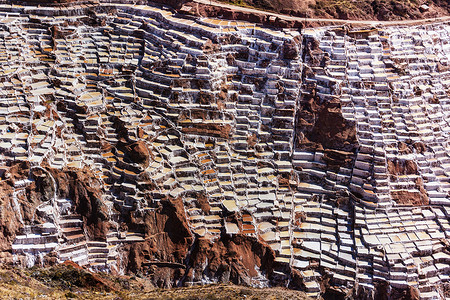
(369, 240)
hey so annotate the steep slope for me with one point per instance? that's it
(69, 281)
(136, 140)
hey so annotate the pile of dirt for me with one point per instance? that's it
(208, 129)
(81, 186)
(10, 223)
(331, 130)
(404, 197)
(136, 152)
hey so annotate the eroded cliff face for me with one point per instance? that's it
(16, 211)
(172, 255)
(320, 125)
(237, 259)
(167, 241)
(31, 192)
(85, 192)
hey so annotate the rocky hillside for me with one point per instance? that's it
(69, 281)
(382, 10)
(143, 141)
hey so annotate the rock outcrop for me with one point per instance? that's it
(237, 259)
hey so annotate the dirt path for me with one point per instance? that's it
(334, 21)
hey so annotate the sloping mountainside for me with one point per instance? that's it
(139, 141)
(69, 281)
(383, 10)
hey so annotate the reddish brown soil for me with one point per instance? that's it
(401, 167)
(252, 139)
(167, 239)
(230, 259)
(170, 254)
(384, 292)
(203, 203)
(138, 152)
(87, 278)
(321, 127)
(215, 130)
(10, 224)
(404, 197)
(230, 14)
(85, 191)
(331, 130)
